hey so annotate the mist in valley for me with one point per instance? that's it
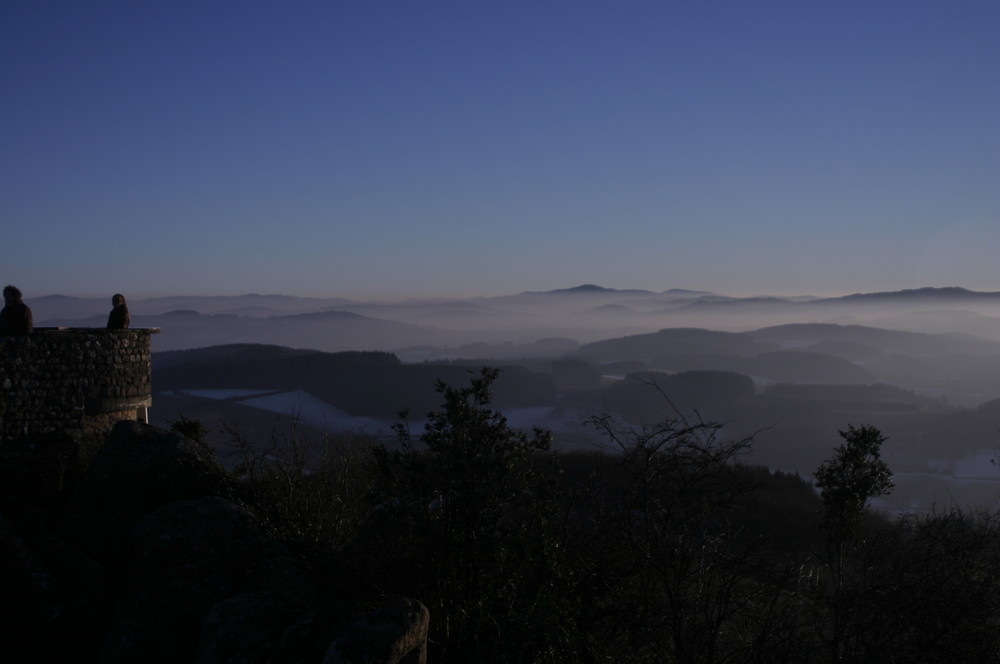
(922, 365)
(582, 314)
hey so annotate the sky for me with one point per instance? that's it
(393, 149)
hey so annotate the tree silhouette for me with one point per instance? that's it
(848, 482)
(465, 505)
(851, 479)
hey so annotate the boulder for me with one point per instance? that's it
(395, 634)
(204, 581)
(139, 469)
(160, 625)
(34, 474)
(211, 541)
(28, 593)
(246, 628)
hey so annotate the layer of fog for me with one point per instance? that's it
(521, 325)
(959, 372)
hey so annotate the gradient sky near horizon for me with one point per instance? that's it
(364, 148)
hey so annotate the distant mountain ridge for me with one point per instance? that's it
(504, 324)
(588, 288)
(949, 292)
(58, 305)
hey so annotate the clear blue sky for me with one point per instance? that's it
(367, 148)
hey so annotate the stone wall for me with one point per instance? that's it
(59, 379)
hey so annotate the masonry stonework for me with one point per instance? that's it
(83, 379)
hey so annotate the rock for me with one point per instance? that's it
(28, 590)
(247, 628)
(34, 474)
(205, 580)
(139, 469)
(159, 625)
(55, 597)
(211, 540)
(309, 638)
(395, 634)
(82, 600)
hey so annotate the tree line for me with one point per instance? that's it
(664, 547)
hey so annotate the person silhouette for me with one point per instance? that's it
(119, 318)
(15, 318)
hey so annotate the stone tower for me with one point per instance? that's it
(82, 379)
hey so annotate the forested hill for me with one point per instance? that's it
(361, 383)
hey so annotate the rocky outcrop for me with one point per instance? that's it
(204, 578)
(152, 560)
(395, 634)
(138, 470)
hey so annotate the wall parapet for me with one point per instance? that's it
(84, 379)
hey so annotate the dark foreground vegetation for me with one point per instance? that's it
(668, 549)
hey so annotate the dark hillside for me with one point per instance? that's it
(521, 550)
(804, 335)
(360, 383)
(950, 293)
(806, 367)
(259, 353)
(674, 341)
(783, 366)
(649, 396)
(329, 330)
(222, 419)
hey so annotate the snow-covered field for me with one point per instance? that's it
(302, 406)
(970, 483)
(318, 414)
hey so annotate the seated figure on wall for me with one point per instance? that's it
(15, 318)
(119, 318)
